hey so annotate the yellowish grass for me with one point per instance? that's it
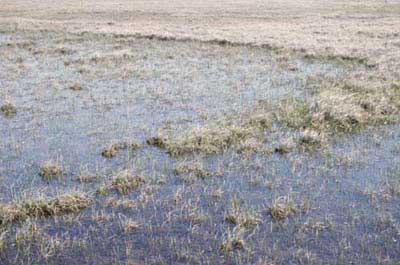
(64, 204)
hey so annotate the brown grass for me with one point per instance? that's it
(65, 204)
(192, 168)
(116, 147)
(8, 110)
(50, 170)
(123, 182)
(130, 226)
(216, 138)
(75, 87)
(282, 208)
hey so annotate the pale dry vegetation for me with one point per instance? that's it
(21, 211)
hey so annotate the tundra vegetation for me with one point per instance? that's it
(135, 137)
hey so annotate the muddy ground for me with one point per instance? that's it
(213, 133)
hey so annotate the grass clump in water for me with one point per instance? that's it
(114, 148)
(50, 170)
(65, 204)
(87, 178)
(129, 226)
(282, 208)
(234, 241)
(75, 87)
(342, 108)
(158, 141)
(240, 217)
(334, 110)
(351, 106)
(294, 113)
(8, 110)
(215, 138)
(195, 169)
(123, 182)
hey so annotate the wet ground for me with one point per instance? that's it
(76, 94)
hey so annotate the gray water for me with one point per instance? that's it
(134, 87)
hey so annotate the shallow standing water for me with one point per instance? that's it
(131, 88)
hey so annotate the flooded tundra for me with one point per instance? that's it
(141, 149)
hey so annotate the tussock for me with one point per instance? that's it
(65, 204)
(75, 87)
(8, 110)
(114, 148)
(50, 170)
(192, 168)
(282, 208)
(123, 182)
(216, 138)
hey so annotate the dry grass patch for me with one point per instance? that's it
(285, 147)
(123, 182)
(87, 178)
(158, 141)
(210, 140)
(334, 109)
(193, 168)
(216, 138)
(114, 148)
(196, 216)
(293, 113)
(234, 241)
(243, 219)
(8, 110)
(347, 107)
(50, 170)
(282, 208)
(310, 140)
(75, 87)
(129, 226)
(240, 217)
(65, 204)
(342, 108)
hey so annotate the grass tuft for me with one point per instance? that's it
(234, 241)
(158, 141)
(114, 148)
(65, 204)
(129, 226)
(123, 182)
(75, 87)
(192, 168)
(282, 208)
(242, 218)
(8, 110)
(50, 170)
(216, 138)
